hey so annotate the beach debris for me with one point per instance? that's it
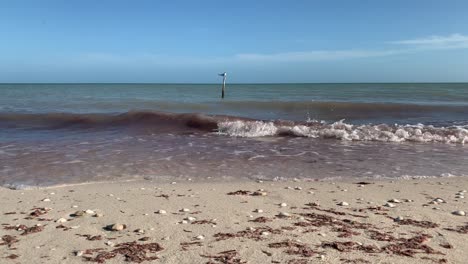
(284, 215)
(131, 251)
(363, 183)
(184, 210)
(46, 200)
(283, 204)
(79, 253)
(61, 220)
(200, 237)
(90, 212)
(140, 231)
(229, 257)
(116, 227)
(190, 219)
(78, 213)
(394, 201)
(294, 248)
(258, 211)
(161, 212)
(110, 243)
(439, 200)
(398, 218)
(391, 205)
(459, 212)
(343, 204)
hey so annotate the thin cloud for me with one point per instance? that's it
(450, 41)
(317, 55)
(410, 46)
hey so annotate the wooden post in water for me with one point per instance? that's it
(224, 84)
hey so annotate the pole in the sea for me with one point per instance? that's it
(224, 74)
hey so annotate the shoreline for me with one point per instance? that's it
(333, 221)
(228, 180)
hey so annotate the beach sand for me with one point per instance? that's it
(222, 224)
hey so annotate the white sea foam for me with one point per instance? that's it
(349, 132)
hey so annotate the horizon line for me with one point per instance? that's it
(235, 83)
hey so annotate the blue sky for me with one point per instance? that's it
(254, 41)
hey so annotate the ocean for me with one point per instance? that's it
(52, 134)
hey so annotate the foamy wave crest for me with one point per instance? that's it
(344, 131)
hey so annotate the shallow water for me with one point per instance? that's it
(56, 134)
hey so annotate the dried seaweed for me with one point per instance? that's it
(226, 257)
(249, 193)
(65, 228)
(435, 260)
(424, 224)
(131, 251)
(8, 241)
(294, 248)
(203, 222)
(380, 236)
(459, 229)
(411, 246)
(12, 256)
(239, 192)
(446, 245)
(186, 245)
(91, 237)
(17, 228)
(348, 246)
(261, 219)
(255, 233)
(345, 232)
(31, 230)
(298, 261)
(355, 261)
(37, 212)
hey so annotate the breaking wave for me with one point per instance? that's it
(343, 131)
(162, 122)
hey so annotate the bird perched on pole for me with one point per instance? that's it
(224, 74)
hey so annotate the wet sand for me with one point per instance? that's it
(237, 222)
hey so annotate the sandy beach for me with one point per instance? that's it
(403, 221)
